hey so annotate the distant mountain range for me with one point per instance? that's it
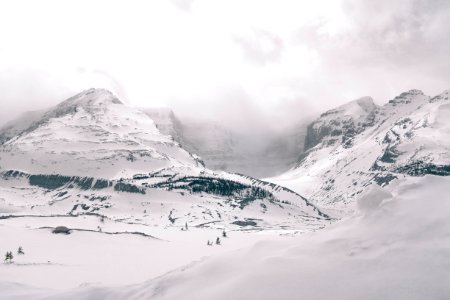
(93, 136)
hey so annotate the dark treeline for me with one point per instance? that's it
(244, 194)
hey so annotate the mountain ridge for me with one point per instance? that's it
(404, 137)
(93, 154)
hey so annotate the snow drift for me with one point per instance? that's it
(398, 251)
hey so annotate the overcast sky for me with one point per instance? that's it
(231, 60)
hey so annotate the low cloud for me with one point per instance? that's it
(260, 46)
(184, 5)
(225, 60)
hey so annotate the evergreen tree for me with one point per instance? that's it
(224, 233)
(20, 251)
(9, 257)
(186, 226)
(217, 241)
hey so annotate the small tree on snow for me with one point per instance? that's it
(217, 241)
(224, 233)
(186, 226)
(9, 257)
(20, 251)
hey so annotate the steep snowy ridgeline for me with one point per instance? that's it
(392, 250)
(169, 197)
(166, 122)
(92, 134)
(356, 144)
(340, 125)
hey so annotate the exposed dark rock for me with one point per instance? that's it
(384, 179)
(61, 229)
(245, 223)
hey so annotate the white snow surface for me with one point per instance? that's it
(398, 250)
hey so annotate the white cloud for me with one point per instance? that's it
(193, 55)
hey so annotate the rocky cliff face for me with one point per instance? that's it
(342, 124)
(359, 143)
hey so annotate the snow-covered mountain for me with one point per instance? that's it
(358, 143)
(91, 154)
(224, 149)
(92, 134)
(125, 221)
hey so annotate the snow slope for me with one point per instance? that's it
(93, 155)
(393, 249)
(360, 143)
(92, 134)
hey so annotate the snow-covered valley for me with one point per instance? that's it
(362, 214)
(390, 250)
(119, 254)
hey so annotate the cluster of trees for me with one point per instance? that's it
(130, 188)
(420, 168)
(243, 193)
(53, 182)
(101, 184)
(208, 185)
(218, 241)
(9, 255)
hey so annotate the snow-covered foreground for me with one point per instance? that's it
(120, 254)
(397, 247)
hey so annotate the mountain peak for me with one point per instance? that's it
(444, 96)
(92, 96)
(340, 125)
(356, 108)
(407, 97)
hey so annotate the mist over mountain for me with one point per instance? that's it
(217, 150)
(259, 154)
